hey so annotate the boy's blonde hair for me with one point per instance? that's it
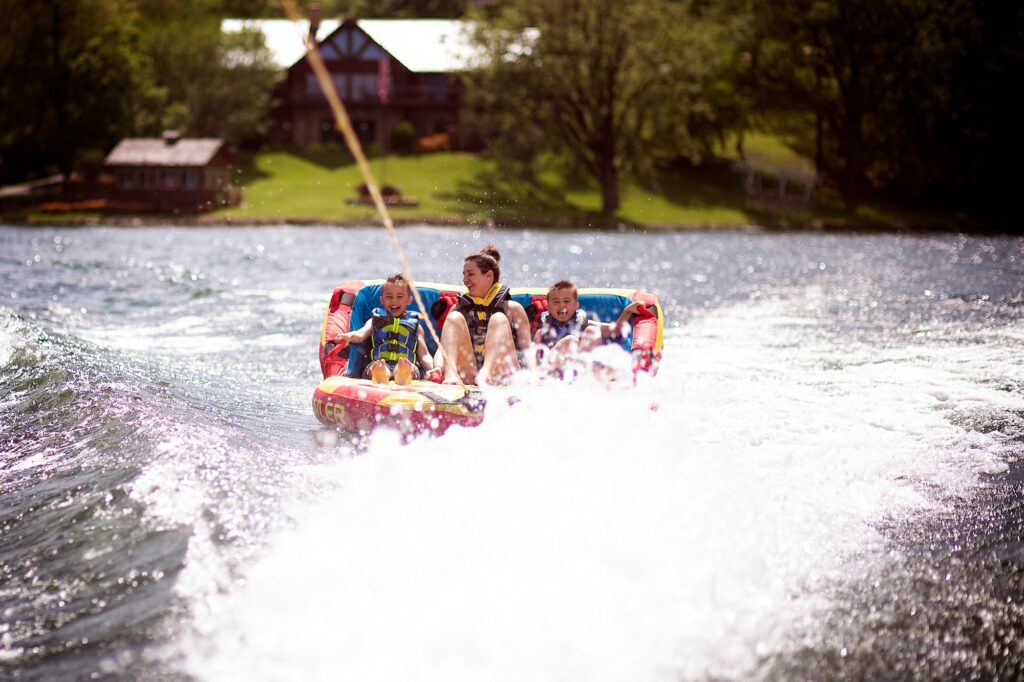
(399, 278)
(564, 284)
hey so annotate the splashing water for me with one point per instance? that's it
(834, 418)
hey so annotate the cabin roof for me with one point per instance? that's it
(421, 45)
(155, 151)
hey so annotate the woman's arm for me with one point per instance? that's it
(620, 324)
(521, 328)
(426, 362)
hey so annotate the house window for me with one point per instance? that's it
(366, 131)
(169, 178)
(437, 87)
(358, 40)
(372, 53)
(190, 178)
(337, 45)
(329, 132)
(364, 87)
(216, 178)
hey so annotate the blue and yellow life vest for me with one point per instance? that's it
(478, 311)
(394, 337)
(552, 331)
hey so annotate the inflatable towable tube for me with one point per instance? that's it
(346, 400)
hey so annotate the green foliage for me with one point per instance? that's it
(611, 84)
(395, 9)
(78, 75)
(912, 96)
(839, 59)
(72, 79)
(403, 137)
(947, 133)
(215, 85)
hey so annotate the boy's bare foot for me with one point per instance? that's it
(403, 372)
(379, 372)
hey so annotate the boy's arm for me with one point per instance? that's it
(357, 336)
(620, 324)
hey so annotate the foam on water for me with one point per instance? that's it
(7, 338)
(580, 534)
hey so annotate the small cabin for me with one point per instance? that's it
(172, 173)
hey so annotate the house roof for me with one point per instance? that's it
(424, 45)
(420, 45)
(284, 37)
(154, 151)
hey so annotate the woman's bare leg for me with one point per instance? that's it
(500, 359)
(458, 347)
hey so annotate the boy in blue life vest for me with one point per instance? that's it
(565, 329)
(396, 337)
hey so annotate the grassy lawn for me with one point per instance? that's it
(463, 188)
(458, 187)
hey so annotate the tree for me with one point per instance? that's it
(214, 84)
(843, 59)
(609, 83)
(393, 9)
(950, 136)
(73, 79)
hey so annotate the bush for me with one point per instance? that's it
(403, 137)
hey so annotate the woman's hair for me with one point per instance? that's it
(488, 259)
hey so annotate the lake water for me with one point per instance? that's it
(829, 486)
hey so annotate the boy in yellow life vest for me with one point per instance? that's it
(396, 337)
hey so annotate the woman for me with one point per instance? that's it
(486, 335)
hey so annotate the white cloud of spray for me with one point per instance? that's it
(581, 535)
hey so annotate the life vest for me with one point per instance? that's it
(394, 337)
(478, 311)
(552, 331)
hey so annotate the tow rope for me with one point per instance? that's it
(292, 11)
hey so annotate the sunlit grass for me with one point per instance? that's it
(320, 187)
(767, 152)
(457, 187)
(464, 188)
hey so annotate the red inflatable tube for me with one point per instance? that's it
(336, 320)
(647, 331)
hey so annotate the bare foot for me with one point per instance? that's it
(403, 372)
(379, 372)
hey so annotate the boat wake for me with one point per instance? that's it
(579, 534)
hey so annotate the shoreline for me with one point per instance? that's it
(201, 221)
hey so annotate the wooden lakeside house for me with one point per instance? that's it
(387, 72)
(172, 173)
